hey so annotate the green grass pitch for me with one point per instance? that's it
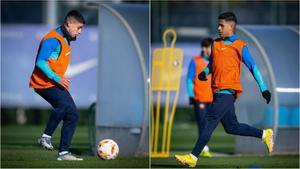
(19, 149)
(183, 139)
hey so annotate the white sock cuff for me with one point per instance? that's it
(45, 135)
(63, 152)
(263, 135)
(193, 157)
(205, 148)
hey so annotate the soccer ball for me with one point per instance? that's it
(108, 149)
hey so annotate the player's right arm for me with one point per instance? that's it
(45, 51)
(190, 81)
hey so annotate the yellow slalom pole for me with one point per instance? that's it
(172, 117)
(167, 95)
(152, 122)
(167, 103)
(157, 121)
(165, 121)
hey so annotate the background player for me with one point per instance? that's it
(200, 92)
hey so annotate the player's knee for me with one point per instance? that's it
(231, 129)
(228, 131)
(76, 116)
(74, 112)
(61, 109)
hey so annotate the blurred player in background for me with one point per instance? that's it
(49, 81)
(228, 54)
(200, 92)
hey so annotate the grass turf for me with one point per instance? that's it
(183, 139)
(287, 161)
(20, 150)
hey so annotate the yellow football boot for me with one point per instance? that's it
(186, 160)
(268, 139)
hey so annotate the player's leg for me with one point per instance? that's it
(69, 125)
(212, 118)
(232, 126)
(54, 96)
(217, 110)
(200, 112)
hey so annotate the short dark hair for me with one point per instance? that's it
(228, 16)
(76, 15)
(206, 42)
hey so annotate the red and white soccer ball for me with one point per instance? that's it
(108, 149)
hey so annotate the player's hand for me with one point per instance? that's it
(202, 76)
(191, 100)
(267, 95)
(65, 82)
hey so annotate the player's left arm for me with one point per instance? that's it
(250, 64)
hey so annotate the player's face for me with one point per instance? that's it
(225, 28)
(74, 27)
(206, 51)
